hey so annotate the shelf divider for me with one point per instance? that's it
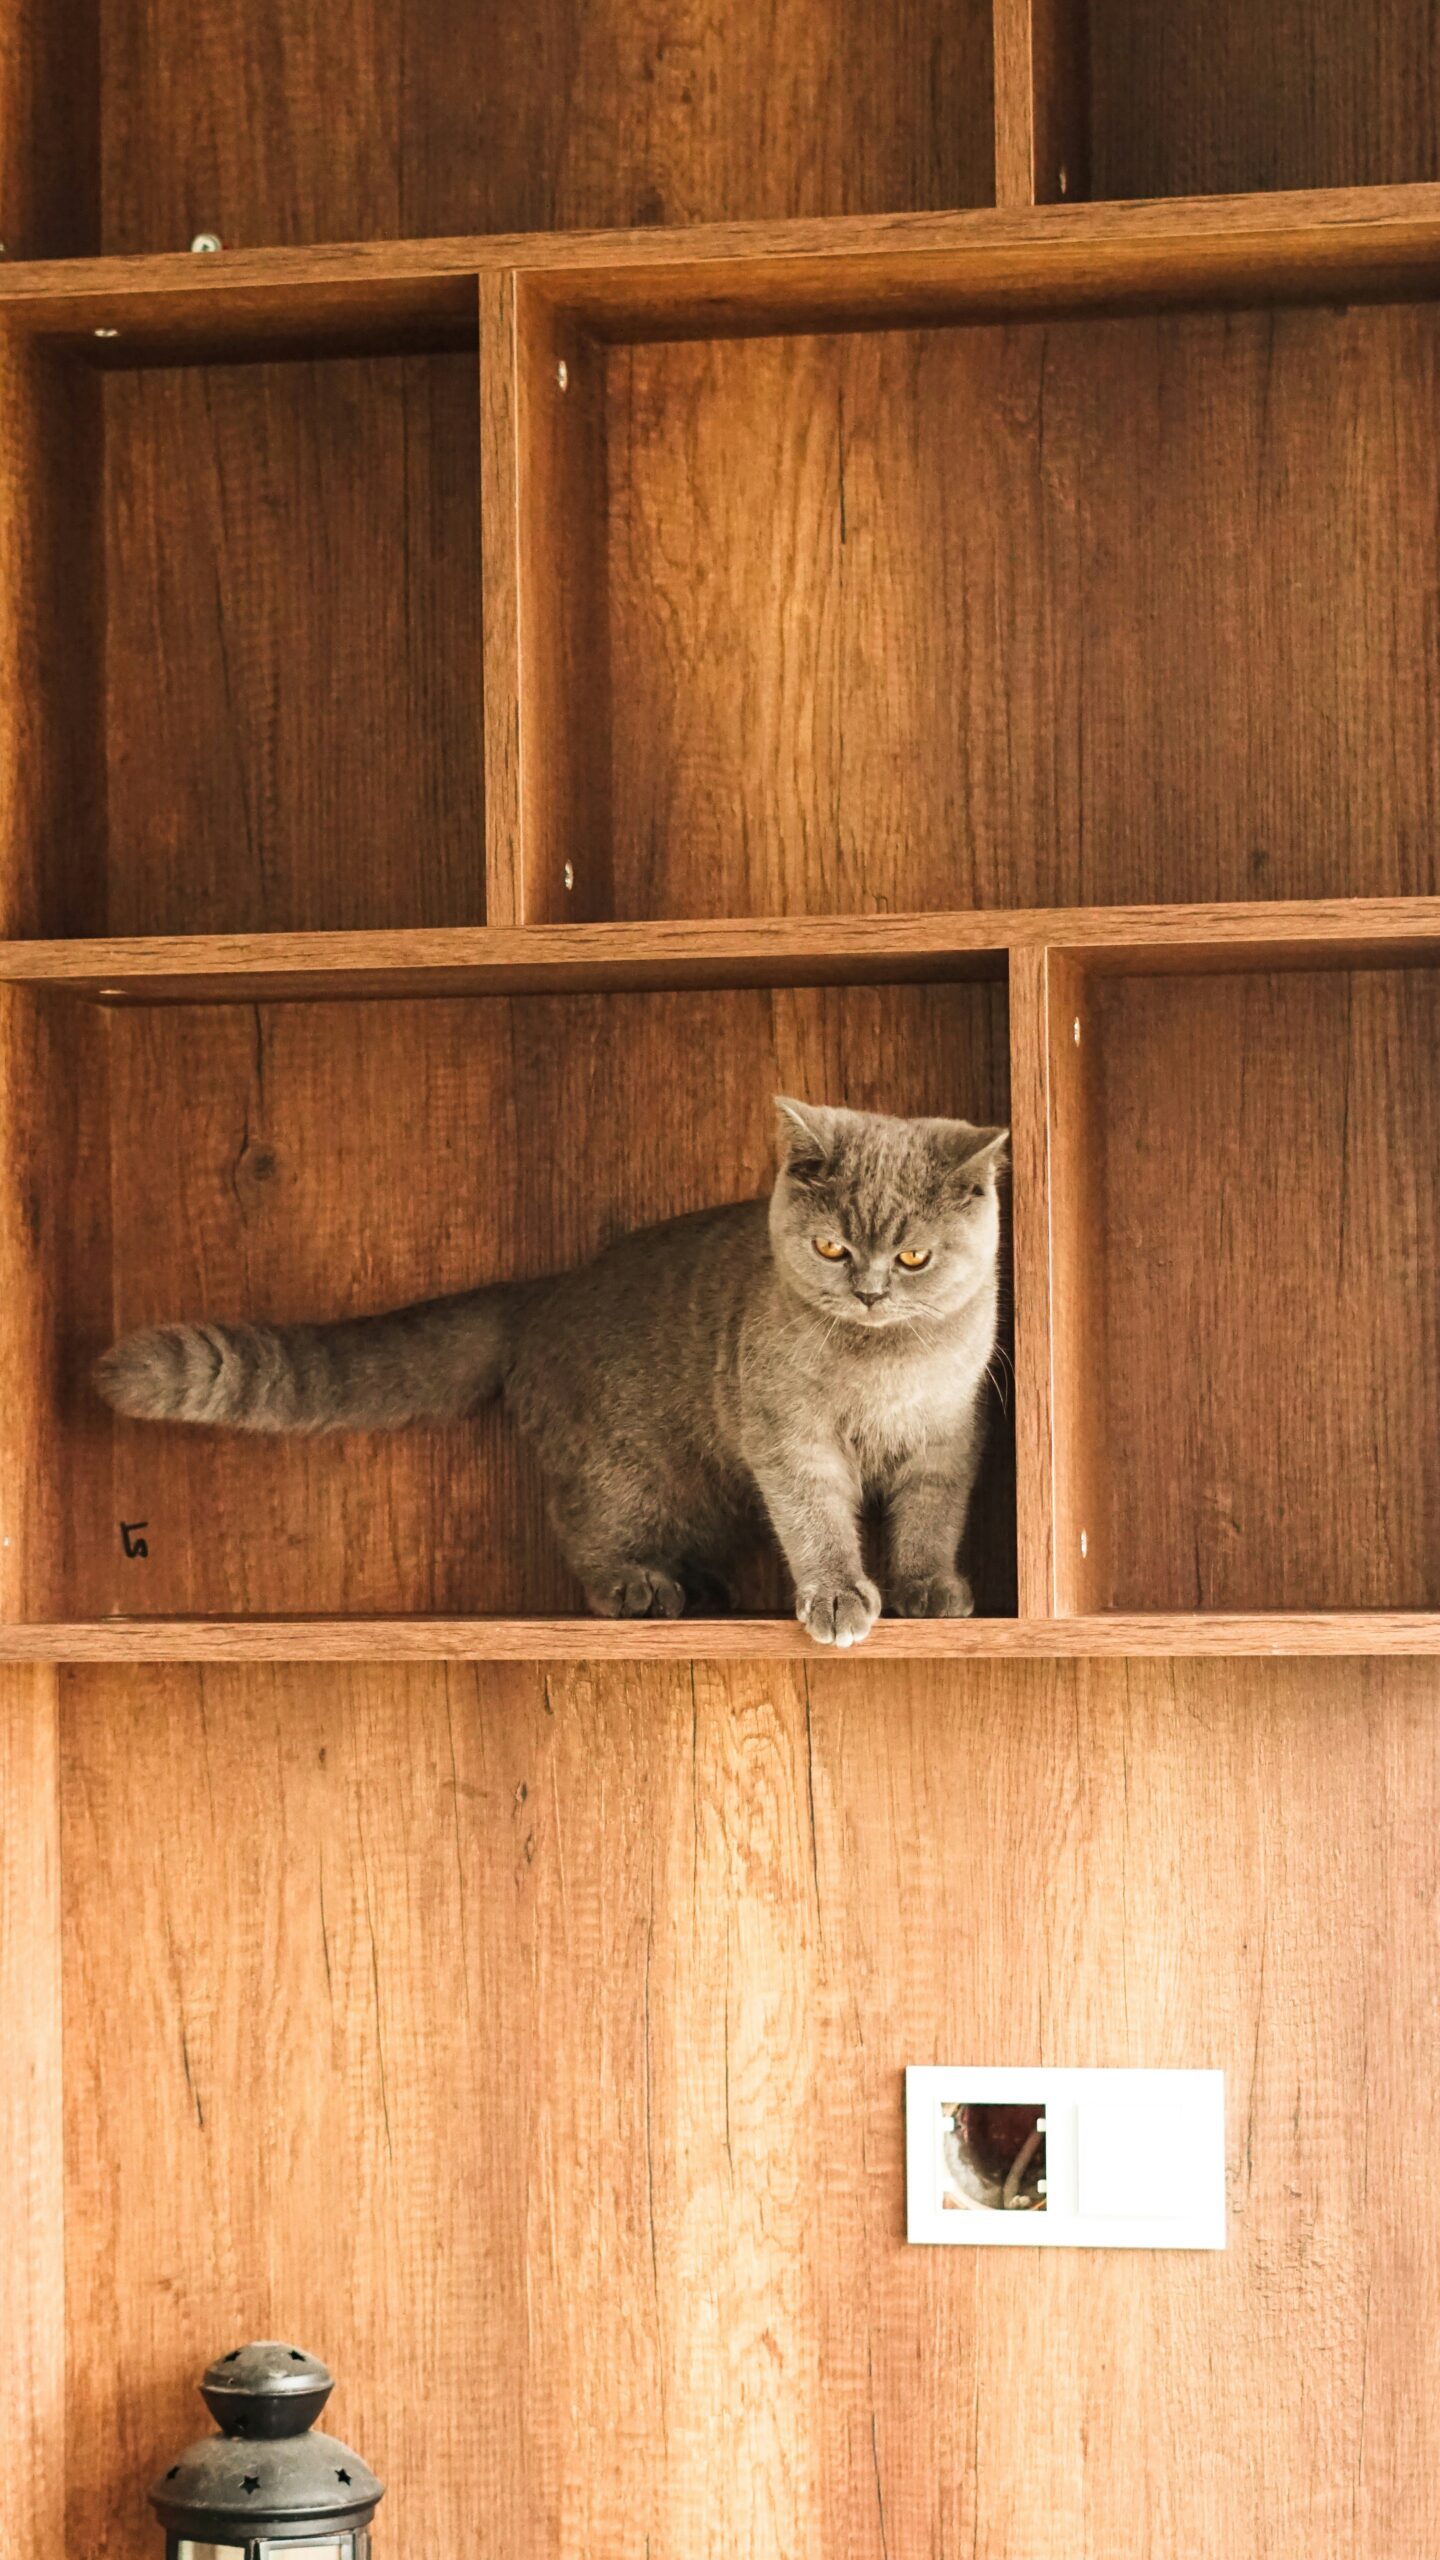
(1062, 1484)
(1041, 102)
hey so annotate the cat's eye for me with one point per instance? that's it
(911, 1260)
(828, 1248)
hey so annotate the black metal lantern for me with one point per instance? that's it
(267, 2487)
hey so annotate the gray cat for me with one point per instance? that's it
(784, 1361)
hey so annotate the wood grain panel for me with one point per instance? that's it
(297, 2038)
(977, 641)
(1176, 1868)
(52, 799)
(297, 546)
(32, 2208)
(544, 2032)
(1271, 1234)
(54, 1286)
(433, 116)
(321, 1159)
(1190, 99)
(49, 130)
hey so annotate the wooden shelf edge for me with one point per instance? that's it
(1359, 1634)
(1281, 211)
(1306, 236)
(679, 952)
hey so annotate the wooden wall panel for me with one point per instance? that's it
(295, 1160)
(440, 116)
(298, 546)
(49, 129)
(32, 2216)
(1191, 99)
(52, 797)
(531, 2044)
(54, 1288)
(296, 2039)
(948, 619)
(1271, 1229)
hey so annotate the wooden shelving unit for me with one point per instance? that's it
(901, 728)
(674, 554)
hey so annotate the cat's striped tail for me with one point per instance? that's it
(434, 1362)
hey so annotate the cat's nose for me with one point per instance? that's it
(870, 1297)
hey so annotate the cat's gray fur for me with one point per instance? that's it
(695, 1379)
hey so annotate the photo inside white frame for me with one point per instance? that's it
(992, 2156)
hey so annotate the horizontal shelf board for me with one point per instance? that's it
(733, 276)
(714, 1639)
(765, 951)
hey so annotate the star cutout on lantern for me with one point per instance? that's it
(250, 2484)
(345, 2476)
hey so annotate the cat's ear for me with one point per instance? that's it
(807, 1136)
(980, 1153)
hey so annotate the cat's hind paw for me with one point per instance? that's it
(838, 1613)
(932, 1595)
(637, 1591)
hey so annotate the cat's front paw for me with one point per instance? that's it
(933, 1595)
(840, 1613)
(637, 1591)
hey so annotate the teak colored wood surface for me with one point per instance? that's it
(856, 617)
(1269, 1203)
(297, 547)
(976, 647)
(553, 2024)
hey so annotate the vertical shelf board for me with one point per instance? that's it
(502, 563)
(1058, 1141)
(547, 650)
(1041, 109)
(32, 2203)
(1084, 1560)
(1032, 1281)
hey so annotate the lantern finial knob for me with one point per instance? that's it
(267, 2389)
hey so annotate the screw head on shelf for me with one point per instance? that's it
(568, 875)
(205, 244)
(562, 374)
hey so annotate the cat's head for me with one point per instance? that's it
(881, 1222)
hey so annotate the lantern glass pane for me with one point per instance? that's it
(210, 2551)
(340, 2547)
